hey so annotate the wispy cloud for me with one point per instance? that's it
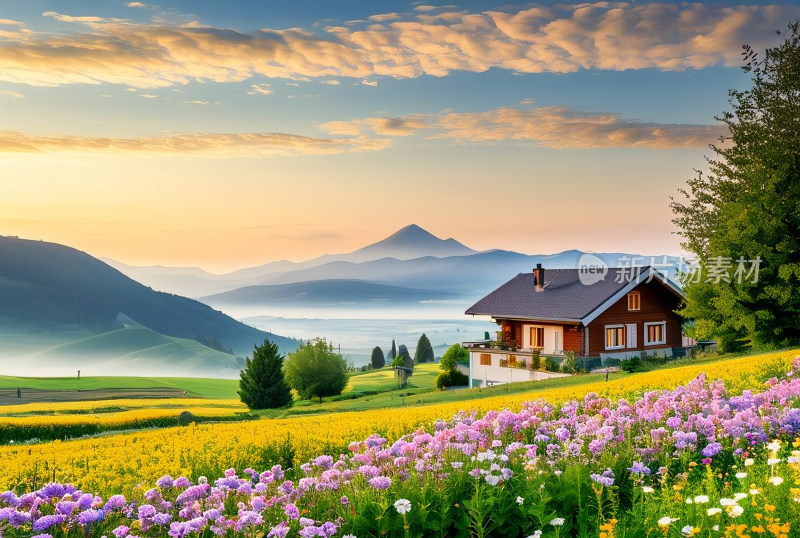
(560, 38)
(215, 145)
(136, 4)
(551, 127)
(13, 95)
(259, 89)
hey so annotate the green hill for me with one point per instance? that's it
(44, 286)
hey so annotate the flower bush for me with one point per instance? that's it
(695, 460)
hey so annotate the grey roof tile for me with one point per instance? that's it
(564, 296)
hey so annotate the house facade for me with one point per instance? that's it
(558, 311)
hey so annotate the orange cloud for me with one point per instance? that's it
(551, 127)
(214, 145)
(564, 38)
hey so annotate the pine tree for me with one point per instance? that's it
(392, 353)
(378, 360)
(424, 351)
(261, 383)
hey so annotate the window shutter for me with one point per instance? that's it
(631, 335)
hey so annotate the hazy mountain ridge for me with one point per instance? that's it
(46, 285)
(410, 258)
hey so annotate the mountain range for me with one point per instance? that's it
(410, 269)
(56, 301)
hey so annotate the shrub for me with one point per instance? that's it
(315, 370)
(631, 364)
(424, 351)
(455, 354)
(451, 378)
(536, 360)
(569, 365)
(551, 365)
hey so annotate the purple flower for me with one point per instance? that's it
(181, 482)
(639, 468)
(165, 482)
(115, 502)
(291, 511)
(45, 522)
(712, 449)
(162, 519)
(380, 482)
(146, 511)
(278, 532)
(53, 489)
(90, 516)
(121, 532)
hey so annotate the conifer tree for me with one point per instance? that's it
(261, 382)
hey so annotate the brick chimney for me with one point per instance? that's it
(538, 277)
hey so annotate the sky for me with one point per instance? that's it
(229, 134)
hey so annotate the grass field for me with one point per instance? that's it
(195, 387)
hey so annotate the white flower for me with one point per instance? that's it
(687, 530)
(536, 534)
(713, 511)
(492, 479)
(715, 528)
(557, 521)
(748, 462)
(739, 496)
(726, 502)
(520, 500)
(792, 459)
(349, 536)
(558, 472)
(741, 475)
(666, 521)
(735, 510)
(457, 464)
(701, 499)
(754, 491)
(403, 506)
(776, 480)
(773, 461)
(647, 489)
(202, 480)
(689, 500)
(774, 446)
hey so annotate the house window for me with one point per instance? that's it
(537, 337)
(655, 333)
(634, 301)
(486, 359)
(615, 336)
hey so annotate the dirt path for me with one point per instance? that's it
(9, 397)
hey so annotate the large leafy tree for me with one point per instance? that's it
(747, 207)
(314, 370)
(455, 354)
(378, 360)
(261, 382)
(424, 351)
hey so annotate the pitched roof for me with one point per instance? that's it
(564, 298)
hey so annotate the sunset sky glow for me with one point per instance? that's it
(230, 134)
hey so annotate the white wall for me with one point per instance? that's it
(499, 375)
(549, 337)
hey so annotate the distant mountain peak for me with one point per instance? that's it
(411, 242)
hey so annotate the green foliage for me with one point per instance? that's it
(424, 351)
(631, 364)
(261, 383)
(748, 207)
(315, 370)
(551, 365)
(455, 354)
(402, 352)
(378, 361)
(451, 378)
(569, 365)
(536, 360)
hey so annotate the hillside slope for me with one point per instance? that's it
(48, 285)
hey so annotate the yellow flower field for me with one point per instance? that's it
(119, 462)
(95, 406)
